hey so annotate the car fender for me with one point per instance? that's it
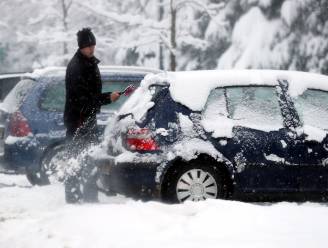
(165, 166)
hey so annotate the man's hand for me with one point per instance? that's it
(114, 96)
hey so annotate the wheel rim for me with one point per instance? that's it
(196, 185)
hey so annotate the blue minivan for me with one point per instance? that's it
(31, 116)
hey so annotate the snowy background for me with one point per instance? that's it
(171, 35)
(168, 34)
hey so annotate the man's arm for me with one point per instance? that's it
(109, 97)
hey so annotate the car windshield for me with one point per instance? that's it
(16, 96)
(53, 98)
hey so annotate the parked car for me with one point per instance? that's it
(7, 82)
(218, 134)
(31, 118)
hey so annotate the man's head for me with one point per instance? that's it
(86, 41)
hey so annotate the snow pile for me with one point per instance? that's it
(47, 71)
(314, 133)
(188, 149)
(38, 215)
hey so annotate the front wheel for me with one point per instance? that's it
(193, 182)
(50, 163)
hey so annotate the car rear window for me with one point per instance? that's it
(17, 95)
(7, 84)
(53, 98)
(312, 107)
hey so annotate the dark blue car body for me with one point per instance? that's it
(41, 105)
(284, 162)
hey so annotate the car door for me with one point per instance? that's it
(258, 138)
(312, 107)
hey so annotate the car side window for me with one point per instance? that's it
(216, 105)
(53, 98)
(312, 107)
(254, 105)
(110, 86)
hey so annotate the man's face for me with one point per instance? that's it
(88, 51)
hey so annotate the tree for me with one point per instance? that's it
(65, 6)
(146, 29)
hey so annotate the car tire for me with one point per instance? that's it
(82, 186)
(47, 167)
(35, 178)
(194, 181)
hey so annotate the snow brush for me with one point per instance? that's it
(128, 90)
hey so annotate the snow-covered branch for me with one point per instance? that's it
(211, 9)
(127, 19)
(192, 41)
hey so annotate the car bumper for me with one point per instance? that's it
(21, 155)
(25, 152)
(130, 178)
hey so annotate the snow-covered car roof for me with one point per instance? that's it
(60, 71)
(191, 88)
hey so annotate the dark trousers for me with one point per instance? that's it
(81, 136)
(79, 139)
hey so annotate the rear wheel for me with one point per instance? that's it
(194, 182)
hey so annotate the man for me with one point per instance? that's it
(83, 89)
(83, 101)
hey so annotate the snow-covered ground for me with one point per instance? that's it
(38, 217)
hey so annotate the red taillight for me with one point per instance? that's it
(141, 140)
(18, 125)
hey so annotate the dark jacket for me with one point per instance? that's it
(83, 91)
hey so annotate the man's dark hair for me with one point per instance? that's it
(85, 38)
